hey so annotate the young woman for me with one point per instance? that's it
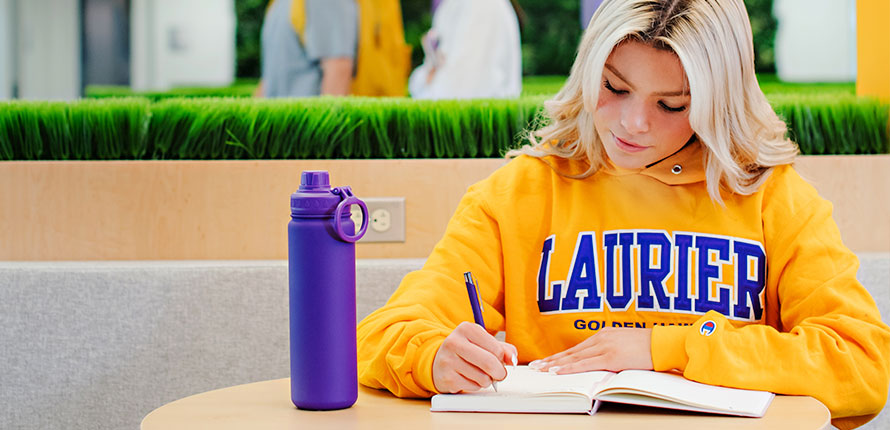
(655, 223)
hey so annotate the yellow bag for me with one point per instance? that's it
(384, 59)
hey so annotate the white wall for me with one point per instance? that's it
(49, 49)
(815, 40)
(182, 43)
(7, 56)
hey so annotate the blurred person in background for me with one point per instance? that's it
(308, 48)
(471, 51)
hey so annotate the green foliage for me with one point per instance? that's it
(416, 20)
(354, 128)
(550, 36)
(231, 128)
(770, 84)
(241, 88)
(249, 23)
(542, 85)
(763, 26)
(832, 124)
(112, 129)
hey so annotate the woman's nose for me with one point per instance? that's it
(635, 118)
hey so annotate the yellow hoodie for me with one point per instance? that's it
(759, 294)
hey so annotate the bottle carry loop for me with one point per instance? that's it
(348, 199)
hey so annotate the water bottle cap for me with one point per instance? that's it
(314, 180)
(316, 199)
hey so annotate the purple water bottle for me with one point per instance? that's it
(321, 270)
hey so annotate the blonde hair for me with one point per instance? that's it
(741, 136)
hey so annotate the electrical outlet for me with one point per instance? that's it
(386, 219)
(381, 220)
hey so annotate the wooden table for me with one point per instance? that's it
(267, 405)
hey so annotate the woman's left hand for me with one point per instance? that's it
(612, 349)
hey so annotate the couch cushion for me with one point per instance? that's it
(101, 344)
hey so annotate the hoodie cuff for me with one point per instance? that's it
(669, 347)
(423, 367)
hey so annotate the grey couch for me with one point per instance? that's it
(99, 345)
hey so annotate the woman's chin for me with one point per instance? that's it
(626, 161)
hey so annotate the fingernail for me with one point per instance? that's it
(515, 361)
(554, 369)
(537, 365)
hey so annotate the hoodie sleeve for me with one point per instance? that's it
(398, 342)
(826, 341)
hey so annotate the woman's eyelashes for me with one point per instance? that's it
(609, 87)
(613, 90)
(671, 109)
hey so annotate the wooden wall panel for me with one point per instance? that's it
(194, 210)
(859, 188)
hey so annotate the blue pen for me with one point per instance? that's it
(473, 293)
(474, 299)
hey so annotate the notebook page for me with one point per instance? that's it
(677, 388)
(523, 381)
(528, 391)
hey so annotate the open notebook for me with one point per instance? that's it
(529, 391)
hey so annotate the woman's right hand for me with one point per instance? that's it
(470, 359)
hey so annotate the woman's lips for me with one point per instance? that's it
(628, 146)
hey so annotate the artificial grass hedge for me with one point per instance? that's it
(351, 128)
(823, 125)
(230, 128)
